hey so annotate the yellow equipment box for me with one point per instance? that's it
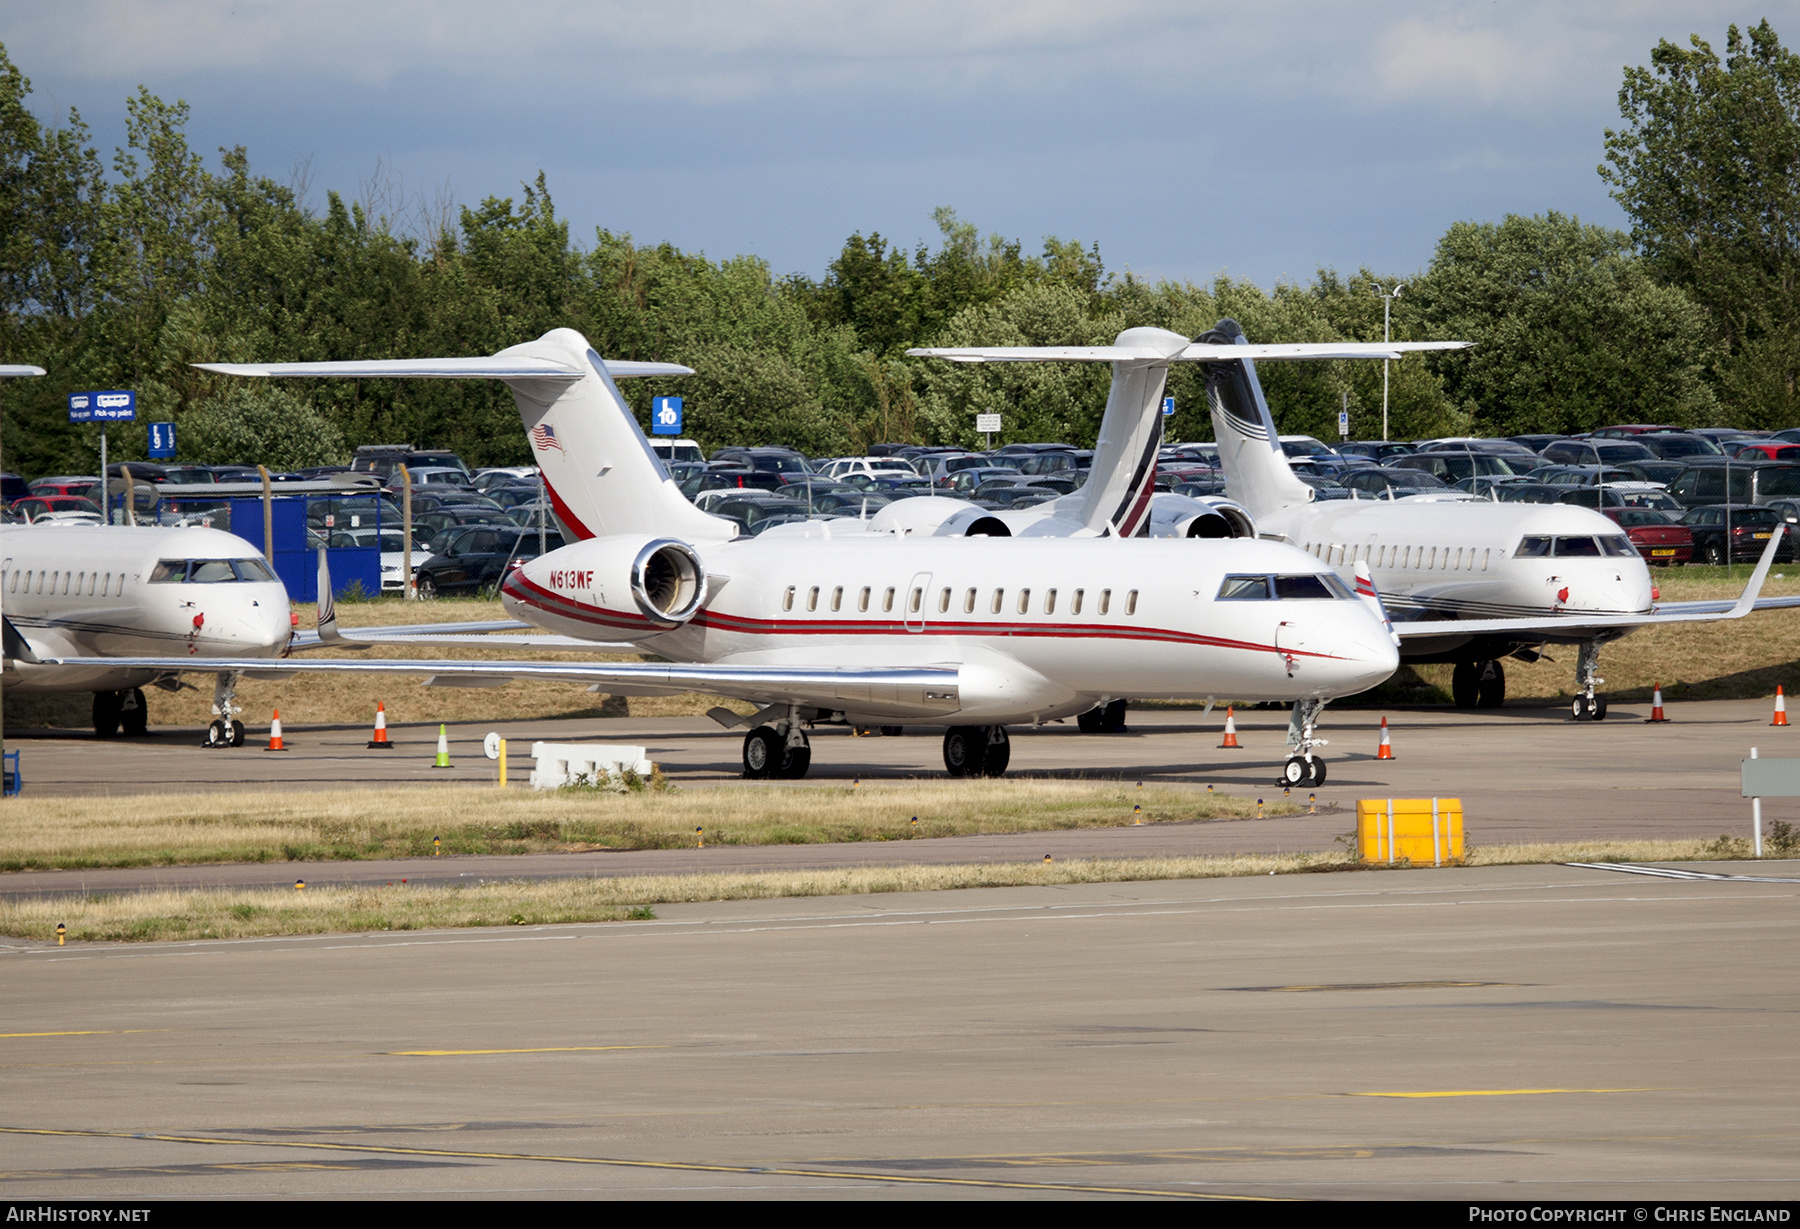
(1421, 831)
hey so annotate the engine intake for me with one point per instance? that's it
(668, 582)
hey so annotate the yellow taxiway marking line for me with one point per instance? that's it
(88, 1032)
(536, 1050)
(780, 1171)
(1494, 1092)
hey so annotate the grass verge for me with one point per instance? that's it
(249, 913)
(86, 832)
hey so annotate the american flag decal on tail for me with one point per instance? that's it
(543, 438)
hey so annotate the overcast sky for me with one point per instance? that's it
(1260, 139)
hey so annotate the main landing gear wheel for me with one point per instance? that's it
(134, 717)
(107, 707)
(1478, 684)
(766, 755)
(976, 750)
(1301, 772)
(237, 733)
(1103, 719)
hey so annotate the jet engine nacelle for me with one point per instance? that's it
(660, 579)
(1186, 516)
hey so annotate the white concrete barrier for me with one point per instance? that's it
(560, 764)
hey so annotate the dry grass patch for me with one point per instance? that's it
(216, 914)
(158, 830)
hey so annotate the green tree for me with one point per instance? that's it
(261, 422)
(1707, 165)
(1571, 329)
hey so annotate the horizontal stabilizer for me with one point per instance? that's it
(445, 369)
(19, 369)
(1197, 352)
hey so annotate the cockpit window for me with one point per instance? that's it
(210, 571)
(1617, 544)
(1309, 586)
(1577, 548)
(1532, 548)
(1244, 589)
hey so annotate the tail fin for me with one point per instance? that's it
(599, 470)
(1116, 497)
(1257, 473)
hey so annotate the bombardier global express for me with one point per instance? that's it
(869, 624)
(1465, 580)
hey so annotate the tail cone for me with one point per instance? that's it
(275, 734)
(1386, 750)
(1230, 729)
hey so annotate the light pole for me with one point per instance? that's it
(1387, 309)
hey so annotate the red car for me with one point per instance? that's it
(1657, 536)
(1773, 450)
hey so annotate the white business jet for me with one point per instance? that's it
(104, 593)
(1466, 580)
(839, 621)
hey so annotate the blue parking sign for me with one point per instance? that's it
(665, 415)
(1168, 406)
(162, 440)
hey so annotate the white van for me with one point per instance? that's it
(677, 450)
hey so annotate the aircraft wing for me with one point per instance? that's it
(1572, 626)
(1195, 353)
(493, 633)
(445, 369)
(898, 691)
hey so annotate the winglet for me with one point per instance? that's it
(16, 646)
(1753, 590)
(328, 631)
(1366, 591)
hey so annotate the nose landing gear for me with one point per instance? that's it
(1303, 767)
(226, 730)
(1588, 705)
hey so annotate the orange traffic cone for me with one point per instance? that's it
(1386, 750)
(275, 734)
(1230, 730)
(1656, 705)
(381, 738)
(1780, 717)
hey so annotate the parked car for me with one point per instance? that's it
(1679, 445)
(1622, 495)
(1454, 466)
(1659, 537)
(1596, 451)
(1378, 451)
(1764, 450)
(478, 559)
(1745, 527)
(1740, 482)
(57, 510)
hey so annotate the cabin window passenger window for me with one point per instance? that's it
(1050, 601)
(837, 599)
(887, 602)
(999, 601)
(1485, 552)
(969, 602)
(862, 599)
(917, 602)
(1131, 602)
(1075, 602)
(812, 598)
(944, 600)
(1024, 601)
(1105, 600)
(787, 599)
